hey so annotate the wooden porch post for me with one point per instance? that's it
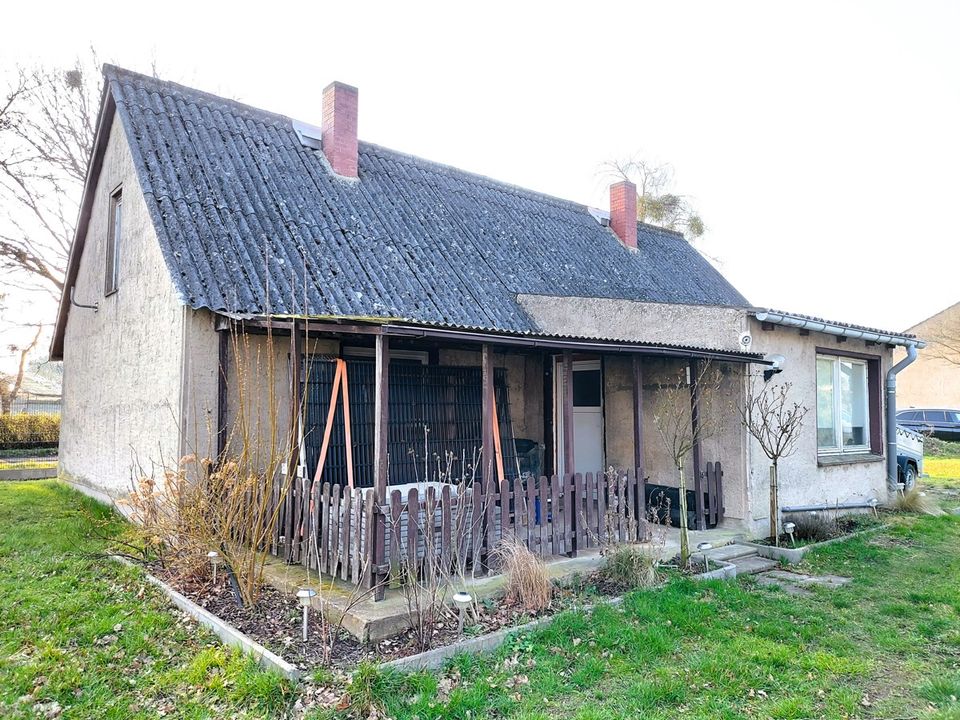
(638, 434)
(568, 458)
(695, 429)
(488, 452)
(381, 417)
(296, 396)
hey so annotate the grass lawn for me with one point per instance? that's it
(32, 464)
(886, 646)
(943, 471)
(85, 633)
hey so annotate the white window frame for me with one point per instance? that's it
(838, 447)
(115, 233)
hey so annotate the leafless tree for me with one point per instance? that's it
(10, 385)
(655, 203)
(944, 340)
(775, 422)
(47, 126)
(673, 419)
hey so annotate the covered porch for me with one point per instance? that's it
(458, 439)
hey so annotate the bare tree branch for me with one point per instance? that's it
(47, 128)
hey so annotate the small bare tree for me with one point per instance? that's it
(775, 422)
(694, 390)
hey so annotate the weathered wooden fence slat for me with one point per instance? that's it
(347, 533)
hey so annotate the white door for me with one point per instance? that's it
(587, 416)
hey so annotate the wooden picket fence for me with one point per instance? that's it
(347, 534)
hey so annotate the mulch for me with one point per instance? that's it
(276, 622)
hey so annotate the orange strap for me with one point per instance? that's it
(497, 449)
(324, 446)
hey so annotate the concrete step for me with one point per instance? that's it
(730, 552)
(751, 565)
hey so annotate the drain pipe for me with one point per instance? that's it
(892, 478)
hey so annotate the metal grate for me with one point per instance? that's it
(433, 410)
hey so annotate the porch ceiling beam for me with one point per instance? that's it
(475, 336)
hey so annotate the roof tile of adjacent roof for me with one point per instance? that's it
(251, 221)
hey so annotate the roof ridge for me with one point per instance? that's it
(453, 169)
(117, 73)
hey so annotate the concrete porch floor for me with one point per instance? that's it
(371, 621)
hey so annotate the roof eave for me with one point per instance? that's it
(826, 327)
(95, 163)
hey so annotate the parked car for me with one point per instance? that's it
(938, 422)
(909, 456)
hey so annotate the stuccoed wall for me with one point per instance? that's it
(802, 480)
(933, 379)
(698, 325)
(121, 365)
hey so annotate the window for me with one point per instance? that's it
(113, 243)
(843, 405)
(935, 416)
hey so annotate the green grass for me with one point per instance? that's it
(82, 631)
(33, 464)
(886, 646)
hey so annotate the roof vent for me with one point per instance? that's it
(309, 135)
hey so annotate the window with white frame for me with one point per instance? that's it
(843, 405)
(112, 255)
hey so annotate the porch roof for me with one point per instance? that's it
(516, 339)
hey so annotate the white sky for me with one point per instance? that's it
(819, 140)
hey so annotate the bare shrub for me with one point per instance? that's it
(527, 582)
(229, 504)
(811, 527)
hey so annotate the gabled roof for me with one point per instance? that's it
(250, 221)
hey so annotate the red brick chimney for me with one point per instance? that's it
(623, 212)
(338, 132)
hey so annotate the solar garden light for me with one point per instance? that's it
(462, 600)
(304, 595)
(703, 547)
(789, 528)
(873, 502)
(214, 557)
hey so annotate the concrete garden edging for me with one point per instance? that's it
(794, 555)
(435, 658)
(228, 634)
(724, 571)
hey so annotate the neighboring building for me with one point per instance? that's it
(487, 310)
(933, 381)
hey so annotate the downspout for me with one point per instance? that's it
(892, 478)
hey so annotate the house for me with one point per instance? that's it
(934, 380)
(467, 314)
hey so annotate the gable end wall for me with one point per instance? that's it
(121, 364)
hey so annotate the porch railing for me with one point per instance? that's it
(457, 528)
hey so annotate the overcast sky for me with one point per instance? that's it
(820, 141)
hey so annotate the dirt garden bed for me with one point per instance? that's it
(276, 621)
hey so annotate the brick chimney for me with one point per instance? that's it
(623, 212)
(338, 131)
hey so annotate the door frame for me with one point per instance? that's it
(590, 364)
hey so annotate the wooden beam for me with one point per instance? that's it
(296, 396)
(567, 379)
(487, 417)
(381, 417)
(223, 353)
(695, 429)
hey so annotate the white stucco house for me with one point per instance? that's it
(490, 314)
